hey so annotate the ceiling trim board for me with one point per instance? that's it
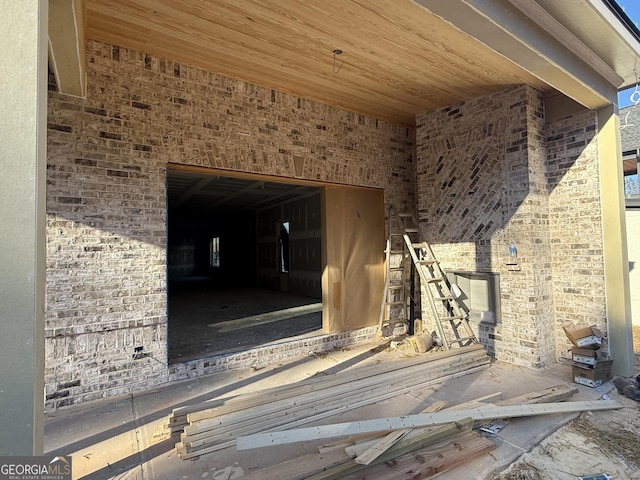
(546, 21)
(66, 32)
(506, 30)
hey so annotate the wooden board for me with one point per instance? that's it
(433, 436)
(428, 443)
(218, 406)
(213, 429)
(417, 440)
(217, 444)
(332, 398)
(556, 393)
(420, 420)
(392, 438)
(427, 462)
(359, 448)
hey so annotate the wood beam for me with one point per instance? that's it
(420, 420)
(66, 45)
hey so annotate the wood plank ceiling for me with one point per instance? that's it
(397, 60)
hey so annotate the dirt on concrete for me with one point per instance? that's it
(125, 437)
(601, 442)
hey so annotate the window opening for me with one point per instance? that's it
(214, 252)
(630, 168)
(284, 247)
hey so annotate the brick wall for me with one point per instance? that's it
(576, 225)
(482, 184)
(487, 172)
(106, 227)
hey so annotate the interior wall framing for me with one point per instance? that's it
(106, 198)
(304, 272)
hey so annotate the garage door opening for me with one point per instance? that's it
(244, 263)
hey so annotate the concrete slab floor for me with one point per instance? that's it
(206, 319)
(123, 437)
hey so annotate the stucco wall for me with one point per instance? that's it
(106, 232)
(633, 234)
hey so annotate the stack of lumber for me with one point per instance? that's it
(421, 452)
(214, 425)
(482, 413)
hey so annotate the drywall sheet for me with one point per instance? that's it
(353, 276)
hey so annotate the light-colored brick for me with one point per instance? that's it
(106, 199)
(509, 177)
(482, 173)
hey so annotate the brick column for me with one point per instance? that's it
(481, 183)
(528, 322)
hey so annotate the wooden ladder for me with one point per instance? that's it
(406, 252)
(397, 298)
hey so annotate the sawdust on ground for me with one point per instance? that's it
(601, 442)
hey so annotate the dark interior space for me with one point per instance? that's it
(243, 263)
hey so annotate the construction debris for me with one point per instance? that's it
(462, 445)
(629, 387)
(589, 337)
(421, 343)
(385, 443)
(215, 425)
(413, 446)
(494, 427)
(590, 366)
(418, 453)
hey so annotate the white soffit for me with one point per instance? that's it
(536, 39)
(66, 45)
(601, 29)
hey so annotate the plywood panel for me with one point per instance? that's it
(353, 277)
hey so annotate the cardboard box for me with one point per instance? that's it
(592, 376)
(586, 355)
(589, 337)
